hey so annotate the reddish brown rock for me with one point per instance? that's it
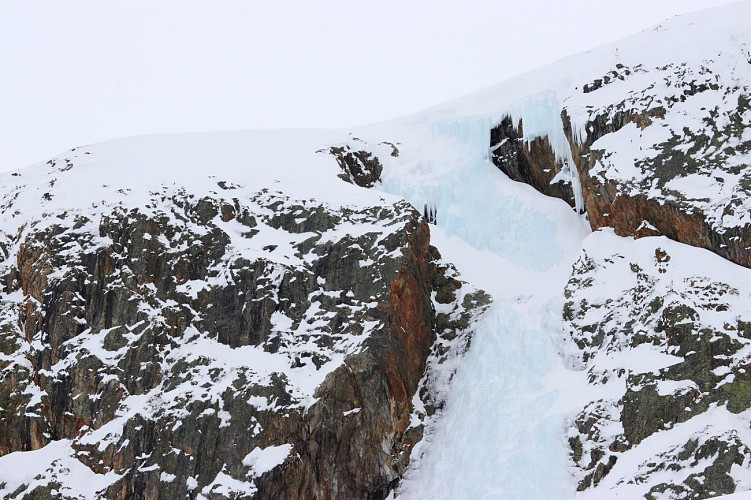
(641, 215)
(532, 162)
(104, 327)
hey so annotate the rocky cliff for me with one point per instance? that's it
(661, 145)
(665, 346)
(162, 344)
(682, 166)
(533, 162)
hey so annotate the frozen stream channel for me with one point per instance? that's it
(502, 433)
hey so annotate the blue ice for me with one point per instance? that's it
(470, 203)
(497, 438)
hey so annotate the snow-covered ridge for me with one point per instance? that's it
(126, 170)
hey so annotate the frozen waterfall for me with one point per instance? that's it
(502, 434)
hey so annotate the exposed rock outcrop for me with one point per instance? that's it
(532, 162)
(658, 150)
(223, 347)
(666, 345)
(651, 199)
(359, 167)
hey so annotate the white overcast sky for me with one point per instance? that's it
(81, 71)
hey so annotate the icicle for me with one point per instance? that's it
(576, 186)
(541, 117)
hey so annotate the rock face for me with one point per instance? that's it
(532, 162)
(660, 149)
(671, 159)
(221, 346)
(361, 166)
(667, 346)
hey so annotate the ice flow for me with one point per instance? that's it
(502, 432)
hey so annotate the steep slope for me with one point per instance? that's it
(666, 343)
(173, 323)
(657, 127)
(667, 149)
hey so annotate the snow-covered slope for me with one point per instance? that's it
(666, 344)
(577, 378)
(183, 316)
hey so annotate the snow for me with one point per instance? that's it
(719, 296)
(225, 485)
(644, 358)
(699, 187)
(498, 432)
(623, 481)
(743, 495)
(263, 460)
(94, 178)
(58, 461)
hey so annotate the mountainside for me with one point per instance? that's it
(658, 133)
(211, 338)
(384, 311)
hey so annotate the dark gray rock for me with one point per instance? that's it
(167, 356)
